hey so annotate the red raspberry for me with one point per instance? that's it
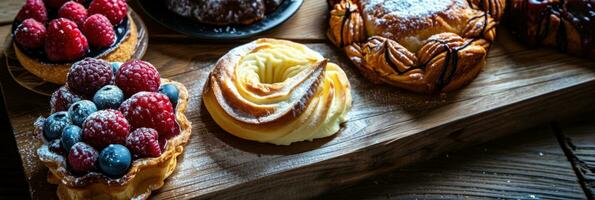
(31, 34)
(89, 75)
(73, 11)
(99, 31)
(65, 42)
(82, 157)
(144, 142)
(33, 9)
(136, 76)
(114, 10)
(62, 99)
(151, 110)
(56, 4)
(105, 127)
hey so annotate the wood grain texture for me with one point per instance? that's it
(9, 9)
(308, 24)
(578, 138)
(388, 127)
(528, 165)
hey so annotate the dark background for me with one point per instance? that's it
(12, 179)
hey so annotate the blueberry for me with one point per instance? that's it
(171, 91)
(80, 110)
(70, 136)
(116, 66)
(114, 160)
(56, 147)
(54, 124)
(109, 96)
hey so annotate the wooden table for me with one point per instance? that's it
(534, 165)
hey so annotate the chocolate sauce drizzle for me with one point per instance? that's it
(579, 13)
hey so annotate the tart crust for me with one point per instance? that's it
(144, 176)
(56, 73)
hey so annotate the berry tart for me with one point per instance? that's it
(50, 35)
(114, 132)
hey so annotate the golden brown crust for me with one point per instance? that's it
(144, 176)
(433, 46)
(56, 73)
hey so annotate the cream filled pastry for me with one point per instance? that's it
(278, 92)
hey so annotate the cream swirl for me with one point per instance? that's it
(278, 92)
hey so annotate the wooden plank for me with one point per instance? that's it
(9, 9)
(578, 138)
(388, 127)
(308, 24)
(528, 165)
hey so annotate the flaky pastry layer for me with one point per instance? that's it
(278, 92)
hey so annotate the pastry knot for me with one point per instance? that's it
(347, 25)
(434, 48)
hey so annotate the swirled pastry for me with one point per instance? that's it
(568, 25)
(278, 92)
(420, 45)
(223, 12)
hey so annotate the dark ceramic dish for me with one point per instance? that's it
(160, 13)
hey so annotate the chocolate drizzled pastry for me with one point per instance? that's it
(425, 46)
(223, 12)
(566, 24)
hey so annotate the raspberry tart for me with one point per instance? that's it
(114, 132)
(50, 35)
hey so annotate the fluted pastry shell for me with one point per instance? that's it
(144, 175)
(423, 45)
(56, 73)
(277, 91)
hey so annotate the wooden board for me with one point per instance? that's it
(389, 128)
(528, 165)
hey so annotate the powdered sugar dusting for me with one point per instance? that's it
(412, 8)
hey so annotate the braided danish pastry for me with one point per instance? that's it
(566, 24)
(278, 92)
(424, 46)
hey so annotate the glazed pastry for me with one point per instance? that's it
(48, 47)
(105, 141)
(223, 12)
(424, 46)
(278, 92)
(568, 25)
